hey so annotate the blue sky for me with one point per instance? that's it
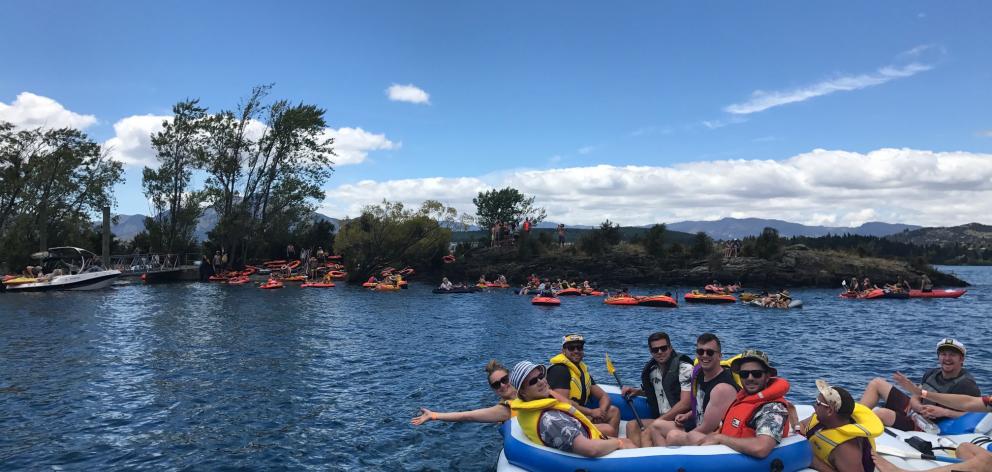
(637, 111)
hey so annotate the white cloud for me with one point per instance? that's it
(985, 133)
(408, 93)
(821, 186)
(761, 100)
(586, 150)
(352, 145)
(132, 141)
(31, 111)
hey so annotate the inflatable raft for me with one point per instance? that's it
(946, 293)
(317, 285)
(545, 301)
(696, 297)
(271, 284)
(565, 292)
(519, 453)
(658, 300)
(621, 301)
(792, 304)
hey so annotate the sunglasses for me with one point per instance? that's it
(532, 382)
(708, 352)
(658, 349)
(503, 381)
(818, 402)
(751, 373)
(574, 347)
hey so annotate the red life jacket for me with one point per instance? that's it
(736, 421)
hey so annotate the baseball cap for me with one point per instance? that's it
(572, 338)
(951, 343)
(754, 355)
(837, 397)
(520, 372)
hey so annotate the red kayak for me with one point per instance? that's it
(621, 301)
(946, 293)
(658, 300)
(545, 301)
(271, 284)
(569, 291)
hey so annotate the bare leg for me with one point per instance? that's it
(636, 436)
(659, 431)
(877, 389)
(607, 429)
(613, 417)
(887, 416)
(677, 437)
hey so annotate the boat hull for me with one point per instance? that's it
(86, 281)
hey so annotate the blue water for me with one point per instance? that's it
(207, 376)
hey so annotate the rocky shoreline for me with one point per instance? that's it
(794, 266)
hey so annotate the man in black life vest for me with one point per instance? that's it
(665, 382)
(713, 389)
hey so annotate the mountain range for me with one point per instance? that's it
(975, 235)
(726, 228)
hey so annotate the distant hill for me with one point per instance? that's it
(573, 233)
(974, 235)
(737, 228)
(129, 225)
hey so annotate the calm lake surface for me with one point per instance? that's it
(208, 376)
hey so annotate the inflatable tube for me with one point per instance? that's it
(448, 259)
(407, 272)
(217, 278)
(565, 292)
(385, 288)
(238, 280)
(370, 284)
(947, 293)
(335, 257)
(275, 263)
(318, 284)
(337, 274)
(292, 265)
(696, 297)
(792, 454)
(621, 301)
(295, 278)
(658, 300)
(496, 285)
(456, 290)
(249, 270)
(545, 301)
(792, 304)
(271, 284)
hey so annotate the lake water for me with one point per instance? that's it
(208, 376)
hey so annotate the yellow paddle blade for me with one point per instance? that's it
(609, 365)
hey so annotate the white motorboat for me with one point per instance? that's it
(65, 268)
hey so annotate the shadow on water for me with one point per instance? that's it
(211, 376)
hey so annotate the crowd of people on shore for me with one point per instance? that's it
(739, 402)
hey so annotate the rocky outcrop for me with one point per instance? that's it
(795, 266)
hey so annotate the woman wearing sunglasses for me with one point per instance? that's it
(499, 381)
(550, 420)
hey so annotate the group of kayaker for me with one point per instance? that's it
(900, 286)
(739, 403)
(551, 287)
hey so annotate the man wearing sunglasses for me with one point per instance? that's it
(713, 390)
(569, 377)
(912, 413)
(759, 417)
(665, 382)
(841, 432)
(551, 420)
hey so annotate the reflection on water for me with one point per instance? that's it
(206, 375)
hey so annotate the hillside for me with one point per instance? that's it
(129, 225)
(738, 228)
(972, 235)
(572, 234)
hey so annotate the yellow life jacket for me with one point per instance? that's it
(529, 415)
(580, 386)
(866, 425)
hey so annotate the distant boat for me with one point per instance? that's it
(65, 268)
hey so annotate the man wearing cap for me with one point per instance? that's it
(665, 382)
(553, 421)
(713, 388)
(569, 377)
(917, 414)
(841, 432)
(759, 418)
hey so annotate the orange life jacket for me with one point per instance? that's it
(736, 421)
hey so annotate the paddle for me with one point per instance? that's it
(891, 451)
(613, 371)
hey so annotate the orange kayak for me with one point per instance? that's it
(545, 301)
(658, 300)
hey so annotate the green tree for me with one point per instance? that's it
(654, 241)
(180, 150)
(507, 205)
(391, 235)
(702, 245)
(53, 182)
(601, 239)
(767, 244)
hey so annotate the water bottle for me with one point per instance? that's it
(924, 424)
